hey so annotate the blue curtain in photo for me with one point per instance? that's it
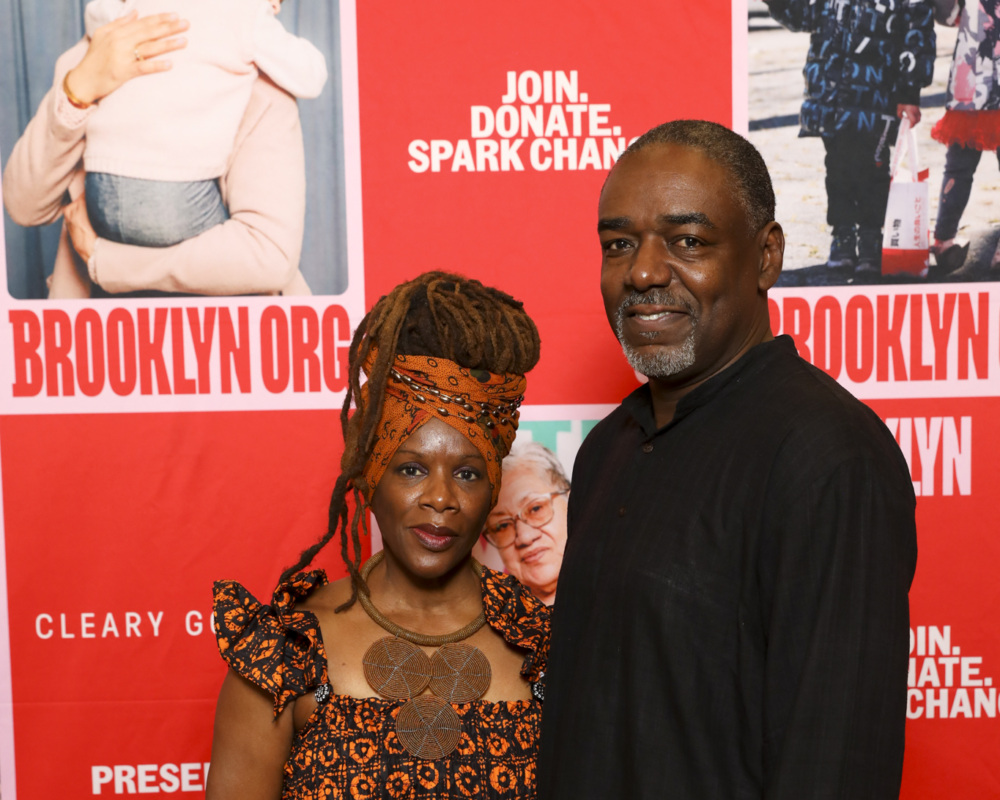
(33, 33)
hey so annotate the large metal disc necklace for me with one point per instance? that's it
(395, 667)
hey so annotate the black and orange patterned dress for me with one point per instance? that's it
(348, 747)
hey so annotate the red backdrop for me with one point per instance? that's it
(118, 512)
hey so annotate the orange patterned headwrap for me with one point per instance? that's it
(480, 405)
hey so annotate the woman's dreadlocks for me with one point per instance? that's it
(437, 314)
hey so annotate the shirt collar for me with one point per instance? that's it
(639, 404)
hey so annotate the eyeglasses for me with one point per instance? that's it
(536, 512)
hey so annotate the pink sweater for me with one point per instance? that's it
(255, 252)
(179, 125)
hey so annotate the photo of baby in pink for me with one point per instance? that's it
(171, 146)
(156, 147)
(528, 524)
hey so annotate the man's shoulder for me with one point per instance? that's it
(801, 383)
(603, 438)
(621, 417)
(811, 412)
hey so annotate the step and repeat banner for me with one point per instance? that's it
(169, 418)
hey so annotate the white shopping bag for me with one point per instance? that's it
(905, 237)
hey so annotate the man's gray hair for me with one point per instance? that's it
(727, 148)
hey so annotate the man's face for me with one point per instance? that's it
(681, 275)
(536, 554)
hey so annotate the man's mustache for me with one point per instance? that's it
(654, 297)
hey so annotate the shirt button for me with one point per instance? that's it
(647, 447)
(621, 511)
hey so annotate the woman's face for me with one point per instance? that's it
(432, 501)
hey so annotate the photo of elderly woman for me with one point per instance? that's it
(168, 154)
(528, 524)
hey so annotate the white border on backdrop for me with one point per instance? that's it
(913, 339)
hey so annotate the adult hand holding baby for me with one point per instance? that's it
(121, 50)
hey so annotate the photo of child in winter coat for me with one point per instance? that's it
(866, 66)
(865, 69)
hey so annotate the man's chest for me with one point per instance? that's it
(664, 533)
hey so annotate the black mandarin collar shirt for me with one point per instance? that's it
(731, 619)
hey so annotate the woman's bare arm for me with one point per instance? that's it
(250, 745)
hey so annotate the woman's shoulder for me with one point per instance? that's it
(520, 617)
(326, 597)
(243, 607)
(277, 647)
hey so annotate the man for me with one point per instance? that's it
(528, 523)
(732, 618)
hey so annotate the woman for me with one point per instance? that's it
(255, 252)
(330, 691)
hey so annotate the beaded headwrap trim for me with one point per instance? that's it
(481, 405)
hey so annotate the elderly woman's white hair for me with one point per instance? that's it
(528, 453)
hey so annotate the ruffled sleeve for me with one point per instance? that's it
(520, 617)
(277, 648)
